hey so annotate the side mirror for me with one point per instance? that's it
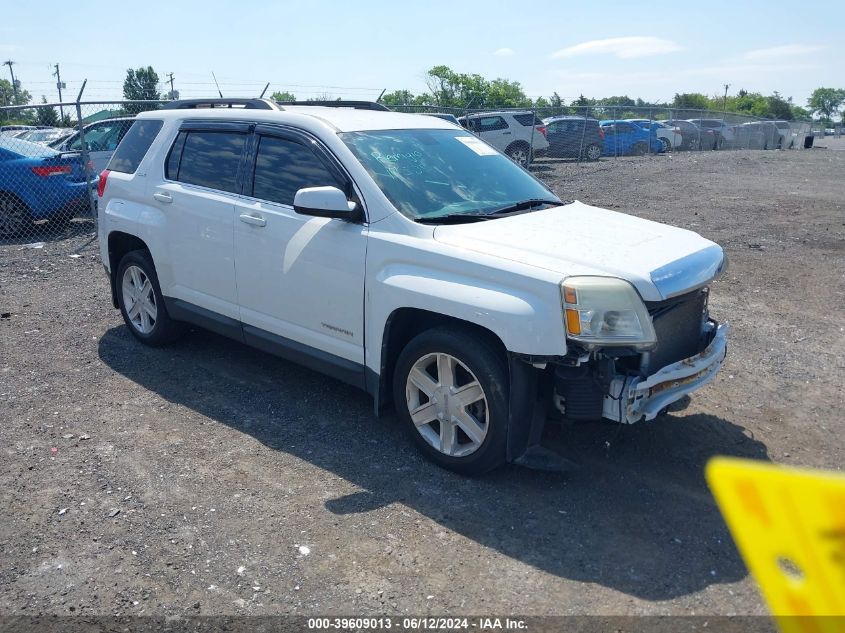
(325, 202)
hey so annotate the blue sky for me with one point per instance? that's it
(354, 49)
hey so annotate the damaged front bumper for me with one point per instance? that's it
(631, 399)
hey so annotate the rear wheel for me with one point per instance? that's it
(667, 144)
(639, 149)
(14, 216)
(593, 152)
(141, 302)
(451, 392)
(519, 153)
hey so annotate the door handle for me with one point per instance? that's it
(163, 197)
(255, 220)
(505, 133)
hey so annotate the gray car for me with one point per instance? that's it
(101, 139)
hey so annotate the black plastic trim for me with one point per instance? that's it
(342, 369)
(183, 311)
(201, 125)
(358, 105)
(245, 103)
(345, 370)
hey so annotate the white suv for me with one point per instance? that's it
(407, 257)
(519, 135)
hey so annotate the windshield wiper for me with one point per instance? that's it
(523, 206)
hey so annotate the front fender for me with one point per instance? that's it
(526, 319)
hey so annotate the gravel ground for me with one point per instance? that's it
(210, 478)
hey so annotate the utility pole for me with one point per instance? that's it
(59, 85)
(9, 63)
(725, 100)
(172, 91)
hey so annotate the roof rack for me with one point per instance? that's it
(358, 105)
(249, 103)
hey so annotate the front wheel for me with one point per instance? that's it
(141, 302)
(452, 394)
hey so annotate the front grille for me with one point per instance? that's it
(678, 323)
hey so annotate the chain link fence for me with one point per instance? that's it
(51, 155)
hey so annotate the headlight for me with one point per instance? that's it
(605, 311)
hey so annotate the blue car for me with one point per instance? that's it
(623, 138)
(38, 183)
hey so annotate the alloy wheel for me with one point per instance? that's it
(139, 299)
(447, 404)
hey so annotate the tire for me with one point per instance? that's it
(519, 153)
(593, 152)
(639, 149)
(667, 145)
(475, 439)
(150, 323)
(15, 217)
(692, 145)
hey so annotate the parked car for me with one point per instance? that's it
(691, 135)
(623, 138)
(510, 132)
(786, 136)
(723, 134)
(669, 134)
(451, 118)
(38, 183)
(574, 137)
(411, 259)
(755, 135)
(15, 129)
(101, 138)
(47, 135)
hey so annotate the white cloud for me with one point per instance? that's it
(621, 47)
(780, 52)
(504, 52)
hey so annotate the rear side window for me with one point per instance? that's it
(134, 146)
(490, 123)
(527, 119)
(208, 159)
(283, 167)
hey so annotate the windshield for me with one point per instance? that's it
(428, 174)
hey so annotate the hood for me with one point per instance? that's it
(661, 261)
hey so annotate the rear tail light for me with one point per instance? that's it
(542, 130)
(51, 170)
(601, 133)
(101, 185)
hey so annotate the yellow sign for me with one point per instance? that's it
(789, 526)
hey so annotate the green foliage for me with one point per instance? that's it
(398, 98)
(283, 96)
(141, 85)
(452, 89)
(691, 101)
(7, 94)
(826, 101)
(46, 116)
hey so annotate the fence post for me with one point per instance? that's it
(86, 164)
(583, 134)
(533, 129)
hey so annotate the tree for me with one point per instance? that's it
(398, 98)
(826, 101)
(691, 101)
(46, 116)
(7, 94)
(141, 85)
(283, 96)
(780, 108)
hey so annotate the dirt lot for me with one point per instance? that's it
(209, 478)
